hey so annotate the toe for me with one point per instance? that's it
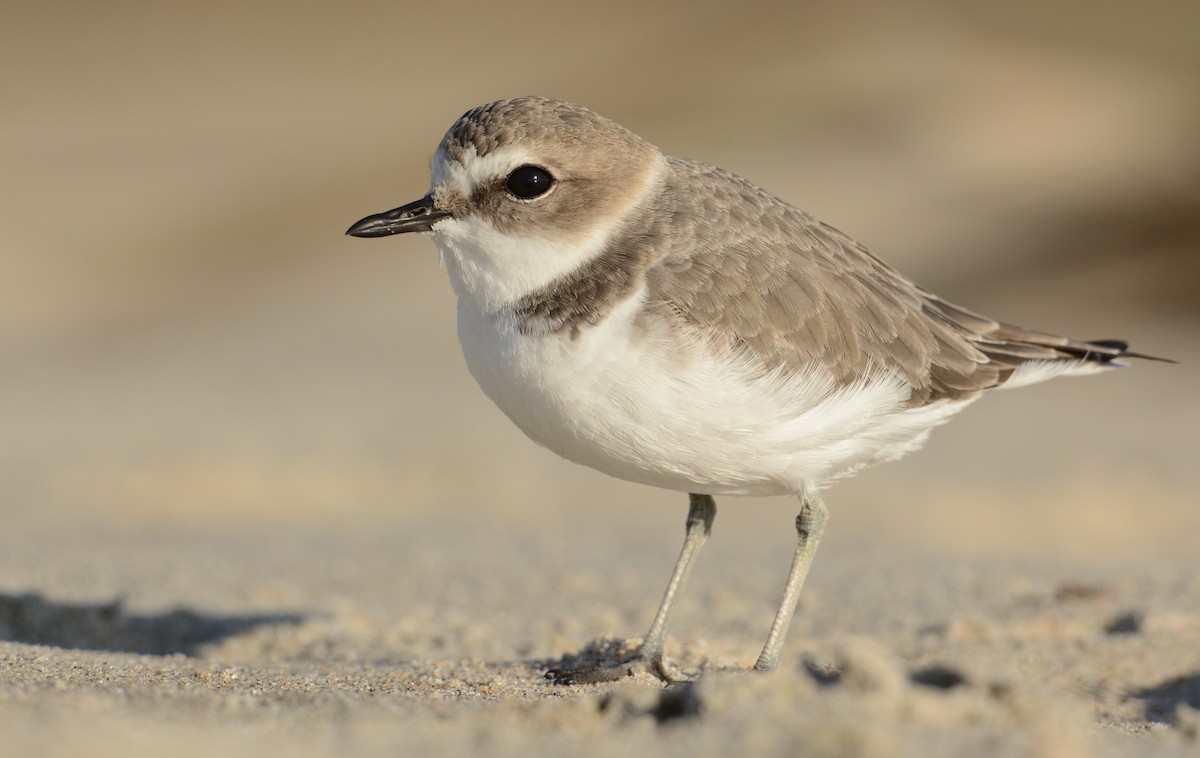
(590, 674)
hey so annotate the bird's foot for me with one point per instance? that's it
(640, 662)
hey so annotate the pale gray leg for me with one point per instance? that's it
(702, 509)
(810, 525)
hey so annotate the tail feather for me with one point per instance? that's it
(1123, 351)
(1024, 356)
(1018, 340)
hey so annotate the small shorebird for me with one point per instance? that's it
(670, 323)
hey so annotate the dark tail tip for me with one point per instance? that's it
(1113, 349)
(1110, 350)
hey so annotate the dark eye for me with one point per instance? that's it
(527, 182)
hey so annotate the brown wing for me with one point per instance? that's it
(749, 268)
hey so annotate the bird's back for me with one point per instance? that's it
(749, 269)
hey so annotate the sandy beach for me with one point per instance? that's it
(253, 503)
(278, 642)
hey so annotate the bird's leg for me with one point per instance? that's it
(810, 525)
(701, 511)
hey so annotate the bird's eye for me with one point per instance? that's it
(528, 182)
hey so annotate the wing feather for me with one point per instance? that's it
(748, 269)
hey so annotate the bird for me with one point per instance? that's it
(670, 323)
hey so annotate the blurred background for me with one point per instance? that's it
(189, 342)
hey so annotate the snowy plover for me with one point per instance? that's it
(670, 323)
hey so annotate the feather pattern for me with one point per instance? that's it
(746, 268)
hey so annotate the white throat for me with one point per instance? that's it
(496, 269)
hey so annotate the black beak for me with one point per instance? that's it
(419, 216)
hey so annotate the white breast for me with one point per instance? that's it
(638, 404)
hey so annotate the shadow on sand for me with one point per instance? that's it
(1163, 700)
(31, 619)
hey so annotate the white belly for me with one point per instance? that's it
(638, 407)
